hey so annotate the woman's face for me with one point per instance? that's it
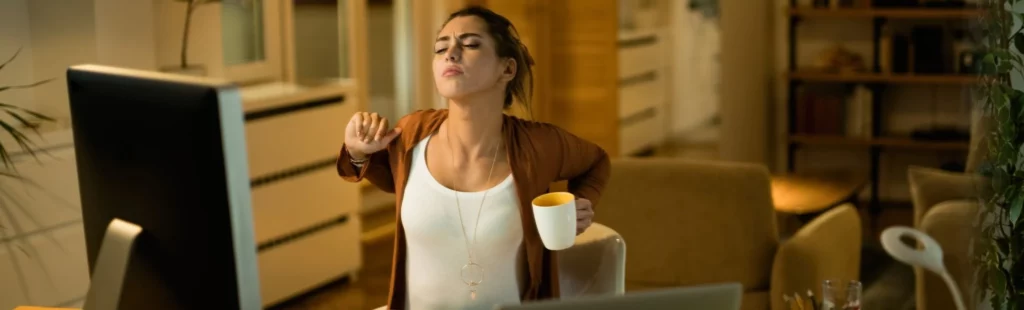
(466, 61)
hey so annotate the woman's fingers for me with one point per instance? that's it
(382, 129)
(357, 120)
(366, 126)
(372, 129)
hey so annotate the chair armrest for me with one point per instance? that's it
(829, 247)
(594, 265)
(930, 186)
(948, 223)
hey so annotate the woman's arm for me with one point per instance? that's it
(584, 164)
(377, 169)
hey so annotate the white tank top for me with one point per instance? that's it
(436, 246)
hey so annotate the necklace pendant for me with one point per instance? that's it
(472, 294)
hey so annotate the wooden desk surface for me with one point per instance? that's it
(814, 192)
(42, 308)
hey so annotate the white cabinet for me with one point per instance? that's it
(643, 90)
(305, 216)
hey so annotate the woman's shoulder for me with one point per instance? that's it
(421, 117)
(533, 128)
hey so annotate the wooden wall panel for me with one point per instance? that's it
(584, 78)
(574, 44)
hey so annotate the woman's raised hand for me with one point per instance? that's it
(368, 133)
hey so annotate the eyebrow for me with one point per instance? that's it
(462, 36)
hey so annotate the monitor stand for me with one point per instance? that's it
(111, 265)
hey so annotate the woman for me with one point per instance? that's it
(465, 176)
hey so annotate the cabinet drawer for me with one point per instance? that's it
(295, 267)
(641, 92)
(277, 142)
(640, 54)
(290, 204)
(641, 130)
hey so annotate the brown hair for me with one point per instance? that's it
(507, 45)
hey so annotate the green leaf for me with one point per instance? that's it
(1015, 208)
(997, 280)
(3, 88)
(12, 58)
(1018, 42)
(1000, 179)
(30, 112)
(1004, 67)
(1002, 245)
(1001, 54)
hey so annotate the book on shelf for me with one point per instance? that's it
(858, 113)
(833, 114)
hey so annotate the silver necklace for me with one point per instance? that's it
(472, 273)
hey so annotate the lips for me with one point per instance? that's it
(451, 71)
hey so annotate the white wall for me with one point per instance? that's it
(316, 41)
(56, 34)
(695, 68)
(16, 34)
(746, 78)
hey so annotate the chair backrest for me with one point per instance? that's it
(692, 222)
(981, 123)
(595, 265)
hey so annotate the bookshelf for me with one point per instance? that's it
(877, 76)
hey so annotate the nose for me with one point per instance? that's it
(454, 54)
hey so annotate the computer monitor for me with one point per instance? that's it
(165, 194)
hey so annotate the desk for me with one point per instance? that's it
(808, 194)
(42, 308)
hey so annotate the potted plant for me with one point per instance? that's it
(16, 120)
(184, 67)
(999, 249)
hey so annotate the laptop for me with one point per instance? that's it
(720, 296)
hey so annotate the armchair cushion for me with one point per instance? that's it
(930, 186)
(595, 265)
(826, 248)
(947, 223)
(691, 222)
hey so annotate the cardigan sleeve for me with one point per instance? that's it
(377, 169)
(584, 164)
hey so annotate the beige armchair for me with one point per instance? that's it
(692, 223)
(945, 206)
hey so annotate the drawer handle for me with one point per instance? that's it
(636, 42)
(293, 172)
(276, 111)
(639, 78)
(637, 117)
(269, 244)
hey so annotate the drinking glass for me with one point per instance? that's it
(841, 295)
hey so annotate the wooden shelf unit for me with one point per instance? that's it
(910, 13)
(877, 141)
(886, 142)
(868, 77)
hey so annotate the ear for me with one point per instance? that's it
(509, 70)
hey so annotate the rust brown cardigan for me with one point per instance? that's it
(539, 154)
